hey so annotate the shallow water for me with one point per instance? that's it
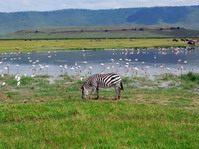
(126, 62)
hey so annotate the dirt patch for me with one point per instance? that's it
(45, 99)
(3, 97)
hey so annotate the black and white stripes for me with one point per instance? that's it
(102, 81)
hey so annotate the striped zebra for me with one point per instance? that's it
(102, 81)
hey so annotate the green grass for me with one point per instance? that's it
(190, 81)
(88, 124)
(191, 77)
(50, 45)
(37, 114)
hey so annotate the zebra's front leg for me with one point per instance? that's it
(97, 91)
(93, 89)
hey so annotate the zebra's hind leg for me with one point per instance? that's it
(118, 91)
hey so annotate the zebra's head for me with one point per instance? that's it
(84, 92)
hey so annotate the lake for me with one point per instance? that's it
(126, 62)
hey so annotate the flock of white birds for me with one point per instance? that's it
(82, 69)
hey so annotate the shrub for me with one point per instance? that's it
(193, 77)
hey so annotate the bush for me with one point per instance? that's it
(193, 77)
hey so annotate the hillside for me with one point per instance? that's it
(186, 16)
(102, 32)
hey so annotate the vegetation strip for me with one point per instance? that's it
(84, 44)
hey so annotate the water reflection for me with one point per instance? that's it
(127, 62)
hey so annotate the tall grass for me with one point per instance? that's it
(191, 77)
(190, 81)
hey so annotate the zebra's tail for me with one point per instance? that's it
(121, 86)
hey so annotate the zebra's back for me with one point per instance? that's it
(107, 80)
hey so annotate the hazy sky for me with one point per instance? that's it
(46, 5)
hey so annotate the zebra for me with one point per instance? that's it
(102, 81)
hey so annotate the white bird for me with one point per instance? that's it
(168, 68)
(18, 79)
(32, 76)
(18, 83)
(179, 60)
(136, 68)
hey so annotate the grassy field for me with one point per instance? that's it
(39, 114)
(49, 45)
